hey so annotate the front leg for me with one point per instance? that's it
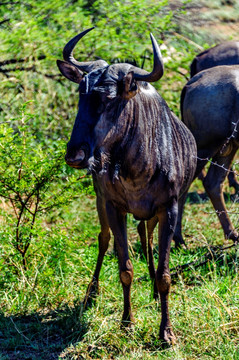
(117, 222)
(167, 222)
(103, 239)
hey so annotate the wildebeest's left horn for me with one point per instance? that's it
(86, 66)
(157, 73)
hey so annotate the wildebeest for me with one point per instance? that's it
(226, 53)
(141, 157)
(210, 109)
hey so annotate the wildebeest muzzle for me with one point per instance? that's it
(77, 157)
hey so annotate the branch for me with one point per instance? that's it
(19, 199)
(188, 40)
(19, 332)
(10, 3)
(15, 61)
(213, 251)
(14, 207)
(3, 21)
(56, 77)
(30, 68)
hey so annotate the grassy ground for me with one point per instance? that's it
(42, 315)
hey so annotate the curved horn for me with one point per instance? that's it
(157, 73)
(86, 66)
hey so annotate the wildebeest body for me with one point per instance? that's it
(210, 105)
(210, 109)
(142, 159)
(138, 156)
(226, 53)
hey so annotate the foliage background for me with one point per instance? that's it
(52, 207)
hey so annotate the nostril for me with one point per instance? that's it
(80, 155)
(75, 159)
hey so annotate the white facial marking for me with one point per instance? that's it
(149, 91)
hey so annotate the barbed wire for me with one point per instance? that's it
(230, 137)
(227, 141)
(216, 164)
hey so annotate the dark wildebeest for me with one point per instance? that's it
(226, 53)
(210, 109)
(222, 54)
(142, 158)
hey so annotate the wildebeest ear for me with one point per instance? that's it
(70, 71)
(129, 87)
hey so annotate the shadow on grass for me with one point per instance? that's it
(199, 198)
(41, 336)
(47, 336)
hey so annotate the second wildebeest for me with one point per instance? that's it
(142, 159)
(210, 109)
(226, 53)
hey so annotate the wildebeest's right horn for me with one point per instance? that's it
(157, 73)
(86, 66)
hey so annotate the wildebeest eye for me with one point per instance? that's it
(133, 86)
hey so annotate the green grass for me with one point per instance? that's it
(42, 315)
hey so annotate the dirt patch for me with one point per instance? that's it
(224, 31)
(214, 22)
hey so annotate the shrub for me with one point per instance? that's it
(33, 180)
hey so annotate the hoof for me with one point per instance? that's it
(127, 322)
(233, 236)
(167, 336)
(179, 242)
(235, 185)
(92, 291)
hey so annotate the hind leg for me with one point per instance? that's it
(178, 237)
(147, 245)
(213, 184)
(200, 172)
(151, 224)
